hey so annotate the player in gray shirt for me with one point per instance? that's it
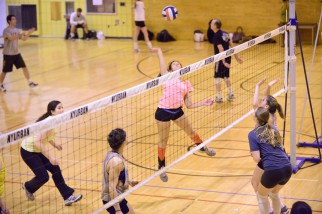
(11, 54)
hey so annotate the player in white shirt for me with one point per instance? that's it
(139, 18)
(78, 20)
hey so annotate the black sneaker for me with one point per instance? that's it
(2, 88)
(32, 84)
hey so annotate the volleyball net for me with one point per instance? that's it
(83, 131)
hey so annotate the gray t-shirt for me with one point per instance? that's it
(10, 47)
(123, 177)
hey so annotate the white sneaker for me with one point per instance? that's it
(208, 151)
(218, 100)
(164, 177)
(231, 97)
(2, 88)
(72, 199)
(28, 194)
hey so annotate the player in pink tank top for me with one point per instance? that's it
(175, 94)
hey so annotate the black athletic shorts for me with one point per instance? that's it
(221, 71)
(165, 115)
(123, 206)
(140, 23)
(277, 176)
(10, 60)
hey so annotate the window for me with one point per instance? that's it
(26, 15)
(107, 6)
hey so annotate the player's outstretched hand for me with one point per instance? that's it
(239, 60)
(30, 31)
(133, 183)
(271, 83)
(261, 82)
(58, 146)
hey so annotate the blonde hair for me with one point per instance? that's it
(264, 132)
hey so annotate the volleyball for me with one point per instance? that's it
(169, 13)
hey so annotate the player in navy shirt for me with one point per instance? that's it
(271, 104)
(265, 145)
(222, 43)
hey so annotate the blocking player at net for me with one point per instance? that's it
(11, 54)
(175, 94)
(266, 145)
(115, 173)
(35, 153)
(222, 43)
(270, 103)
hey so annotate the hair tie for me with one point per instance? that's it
(263, 124)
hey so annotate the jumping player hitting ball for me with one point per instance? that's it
(222, 43)
(266, 145)
(175, 95)
(11, 54)
(270, 103)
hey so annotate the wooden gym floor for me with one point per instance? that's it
(80, 72)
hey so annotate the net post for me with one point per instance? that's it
(316, 143)
(292, 44)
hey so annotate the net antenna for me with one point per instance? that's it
(297, 162)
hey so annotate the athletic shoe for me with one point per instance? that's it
(284, 210)
(32, 84)
(136, 50)
(218, 100)
(28, 194)
(231, 97)
(208, 151)
(72, 199)
(164, 177)
(2, 88)
(73, 38)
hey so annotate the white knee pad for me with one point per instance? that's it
(217, 81)
(263, 203)
(276, 201)
(226, 79)
(273, 195)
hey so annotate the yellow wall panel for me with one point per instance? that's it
(256, 17)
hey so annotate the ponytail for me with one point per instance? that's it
(273, 105)
(44, 116)
(50, 107)
(280, 111)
